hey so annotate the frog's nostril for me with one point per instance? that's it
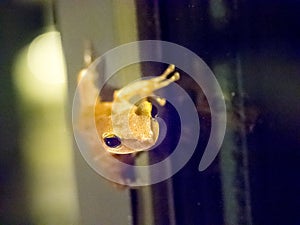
(112, 141)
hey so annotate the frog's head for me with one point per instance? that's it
(129, 126)
(139, 134)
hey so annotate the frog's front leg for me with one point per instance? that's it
(163, 80)
(144, 88)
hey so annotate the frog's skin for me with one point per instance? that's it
(125, 124)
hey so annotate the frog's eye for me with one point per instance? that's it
(111, 140)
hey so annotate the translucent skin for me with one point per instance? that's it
(125, 117)
(131, 122)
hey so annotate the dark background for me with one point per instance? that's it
(259, 42)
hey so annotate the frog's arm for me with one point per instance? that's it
(144, 88)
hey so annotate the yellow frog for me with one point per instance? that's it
(125, 125)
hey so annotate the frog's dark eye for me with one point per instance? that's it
(112, 141)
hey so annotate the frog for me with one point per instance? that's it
(126, 124)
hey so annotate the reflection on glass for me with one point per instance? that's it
(45, 139)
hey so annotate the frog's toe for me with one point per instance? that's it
(175, 76)
(171, 67)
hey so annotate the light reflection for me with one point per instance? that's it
(45, 58)
(39, 76)
(41, 83)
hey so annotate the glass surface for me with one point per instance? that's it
(252, 47)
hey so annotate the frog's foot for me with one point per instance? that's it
(166, 81)
(165, 74)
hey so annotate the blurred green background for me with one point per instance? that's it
(37, 183)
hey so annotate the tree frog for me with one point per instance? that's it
(125, 125)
